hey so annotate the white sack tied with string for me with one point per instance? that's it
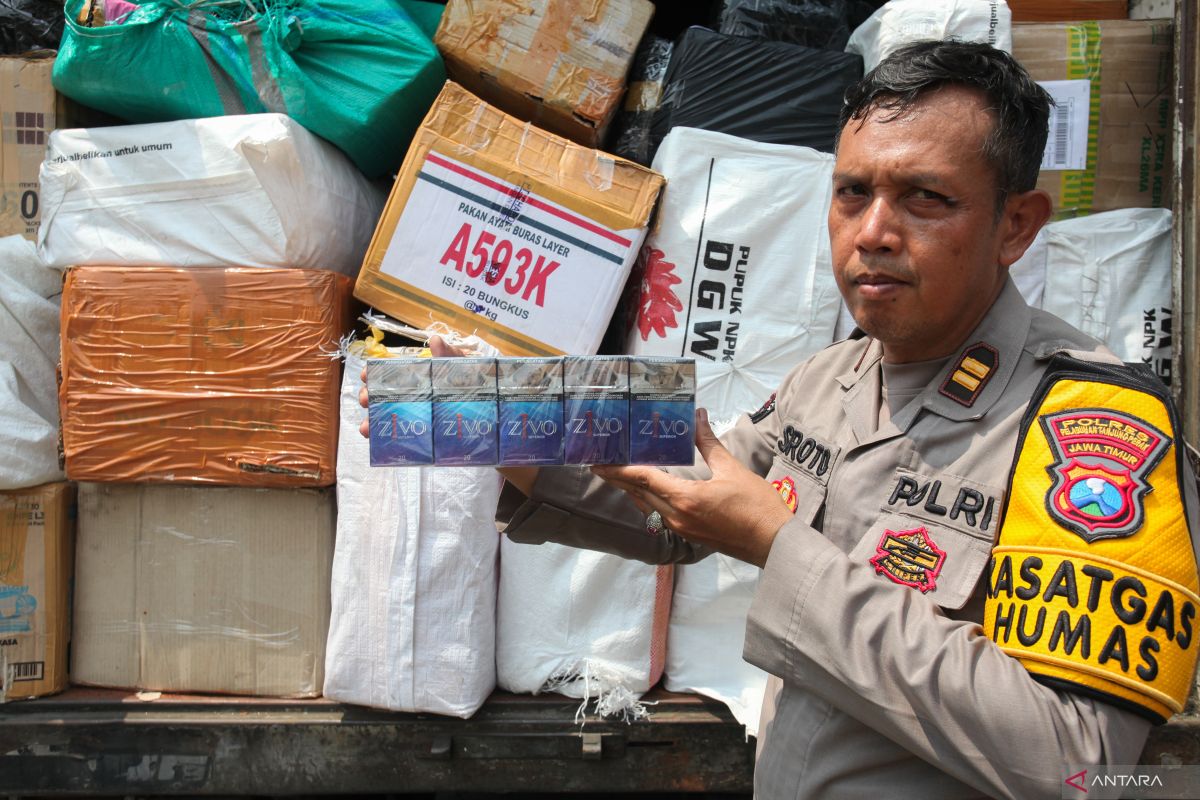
(585, 624)
(413, 626)
(29, 305)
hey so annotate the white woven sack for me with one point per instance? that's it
(253, 190)
(779, 252)
(706, 634)
(581, 623)
(413, 626)
(764, 208)
(29, 304)
(900, 22)
(1109, 275)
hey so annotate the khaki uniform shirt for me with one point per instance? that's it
(881, 689)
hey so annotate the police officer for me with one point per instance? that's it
(974, 523)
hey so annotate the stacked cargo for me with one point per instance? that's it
(213, 253)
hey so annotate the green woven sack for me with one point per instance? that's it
(360, 73)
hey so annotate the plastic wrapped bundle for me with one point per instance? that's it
(900, 22)
(631, 128)
(29, 25)
(825, 24)
(771, 92)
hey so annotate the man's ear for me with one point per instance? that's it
(1024, 215)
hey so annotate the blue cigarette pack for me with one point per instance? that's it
(464, 411)
(531, 411)
(400, 411)
(662, 407)
(596, 410)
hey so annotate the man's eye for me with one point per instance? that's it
(852, 190)
(926, 194)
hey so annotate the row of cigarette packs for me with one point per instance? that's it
(531, 411)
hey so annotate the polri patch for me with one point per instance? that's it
(909, 558)
(1099, 477)
(971, 374)
(767, 409)
(787, 490)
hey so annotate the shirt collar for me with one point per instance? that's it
(1002, 333)
(970, 385)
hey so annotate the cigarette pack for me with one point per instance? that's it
(400, 411)
(531, 411)
(596, 410)
(464, 411)
(662, 405)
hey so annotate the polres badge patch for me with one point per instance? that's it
(787, 490)
(1102, 461)
(909, 558)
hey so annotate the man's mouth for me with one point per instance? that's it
(878, 285)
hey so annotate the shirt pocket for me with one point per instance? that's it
(803, 494)
(933, 534)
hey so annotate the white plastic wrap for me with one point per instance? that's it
(414, 579)
(1109, 275)
(255, 190)
(900, 22)
(29, 303)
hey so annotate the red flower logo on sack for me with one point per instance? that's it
(657, 303)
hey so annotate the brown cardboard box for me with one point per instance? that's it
(203, 589)
(37, 556)
(497, 227)
(205, 375)
(1128, 152)
(1067, 10)
(560, 64)
(29, 110)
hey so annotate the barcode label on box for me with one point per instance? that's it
(28, 670)
(1067, 144)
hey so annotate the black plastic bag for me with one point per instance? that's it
(813, 23)
(772, 92)
(29, 25)
(629, 136)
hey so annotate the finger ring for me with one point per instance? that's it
(654, 523)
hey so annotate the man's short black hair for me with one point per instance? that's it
(1015, 146)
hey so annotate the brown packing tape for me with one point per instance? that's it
(205, 374)
(559, 64)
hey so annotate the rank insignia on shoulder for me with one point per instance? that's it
(972, 371)
(787, 490)
(909, 558)
(1101, 461)
(767, 409)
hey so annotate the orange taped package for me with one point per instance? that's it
(213, 375)
(556, 63)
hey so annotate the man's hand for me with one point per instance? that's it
(735, 512)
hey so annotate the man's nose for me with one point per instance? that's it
(878, 231)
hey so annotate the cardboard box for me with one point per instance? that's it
(205, 375)
(1124, 149)
(37, 556)
(556, 63)
(497, 227)
(1067, 10)
(29, 110)
(203, 589)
